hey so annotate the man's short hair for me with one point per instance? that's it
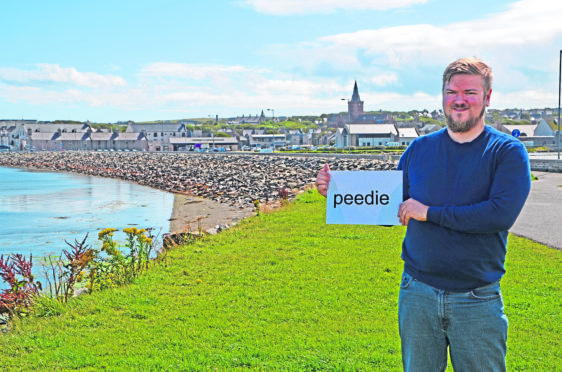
(470, 66)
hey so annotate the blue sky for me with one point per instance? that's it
(108, 61)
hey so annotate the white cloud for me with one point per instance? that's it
(49, 73)
(400, 102)
(183, 88)
(526, 23)
(386, 79)
(190, 71)
(295, 87)
(125, 99)
(532, 98)
(288, 7)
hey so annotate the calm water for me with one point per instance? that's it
(39, 210)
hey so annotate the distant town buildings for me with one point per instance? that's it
(532, 135)
(356, 128)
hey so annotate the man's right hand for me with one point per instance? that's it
(323, 180)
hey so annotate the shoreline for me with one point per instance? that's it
(191, 213)
(209, 189)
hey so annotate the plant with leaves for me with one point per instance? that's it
(63, 276)
(113, 268)
(140, 246)
(257, 206)
(284, 196)
(108, 269)
(15, 270)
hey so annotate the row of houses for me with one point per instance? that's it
(368, 135)
(533, 115)
(25, 135)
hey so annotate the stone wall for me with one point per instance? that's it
(544, 165)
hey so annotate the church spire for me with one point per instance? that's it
(355, 105)
(355, 96)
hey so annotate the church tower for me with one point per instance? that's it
(355, 105)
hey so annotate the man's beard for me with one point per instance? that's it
(463, 126)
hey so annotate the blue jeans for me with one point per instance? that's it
(471, 324)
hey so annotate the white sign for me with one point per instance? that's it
(364, 197)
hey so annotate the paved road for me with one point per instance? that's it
(541, 218)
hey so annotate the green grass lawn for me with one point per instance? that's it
(282, 291)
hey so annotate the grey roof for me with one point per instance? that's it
(8, 129)
(101, 136)
(155, 127)
(430, 128)
(42, 136)
(130, 137)
(50, 128)
(73, 137)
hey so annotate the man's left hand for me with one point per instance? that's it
(412, 208)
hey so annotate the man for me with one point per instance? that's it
(464, 187)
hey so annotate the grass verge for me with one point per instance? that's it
(282, 291)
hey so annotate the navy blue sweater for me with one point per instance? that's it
(475, 192)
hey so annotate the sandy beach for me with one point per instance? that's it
(191, 213)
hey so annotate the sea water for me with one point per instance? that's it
(40, 210)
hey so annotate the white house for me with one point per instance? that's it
(540, 134)
(159, 134)
(267, 140)
(407, 135)
(367, 135)
(12, 136)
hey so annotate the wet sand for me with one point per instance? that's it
(191, 213)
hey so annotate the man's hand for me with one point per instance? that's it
(412, 208)
(323, 180)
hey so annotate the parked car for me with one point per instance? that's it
(4, 148)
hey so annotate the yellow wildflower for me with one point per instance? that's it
(104, 232)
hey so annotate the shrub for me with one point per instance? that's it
(112, 268)
(62, 276)
(15, 270)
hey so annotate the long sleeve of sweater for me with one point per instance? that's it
(509, 189)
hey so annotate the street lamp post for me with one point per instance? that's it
(272, 113)
(349, 123)
(273, 123)
(213, 133)
(559, 91)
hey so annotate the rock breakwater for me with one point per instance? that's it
(234, 179)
